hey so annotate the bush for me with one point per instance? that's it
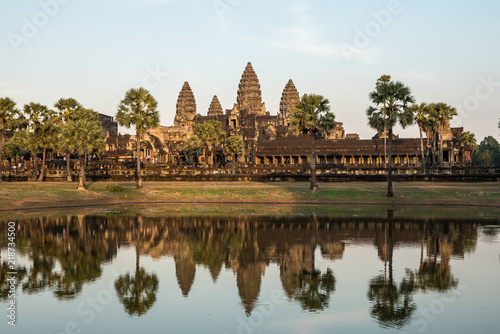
(115, 188)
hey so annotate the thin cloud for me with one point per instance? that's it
(10, 90)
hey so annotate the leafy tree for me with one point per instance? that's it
(234, 145)
(36, 116)
(46, 137)
(442, 113)
(83, 134)
(67, 108)
(138, 109)
(192, 147)
(488, 153)
(312, 117)
(391, 102)
(209, 135)
(420, 114)
(469, 139)
(9, 120)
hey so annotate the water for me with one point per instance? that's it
(308, 272)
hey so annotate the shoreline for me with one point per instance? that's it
(29, 196)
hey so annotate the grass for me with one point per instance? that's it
(33, 195)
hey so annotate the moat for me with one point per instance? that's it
(304, 271)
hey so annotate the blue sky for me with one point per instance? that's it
(95, 50)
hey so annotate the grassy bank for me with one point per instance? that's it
(28, 195)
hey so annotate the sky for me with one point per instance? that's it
(95, 50)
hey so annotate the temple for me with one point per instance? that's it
(270, 140)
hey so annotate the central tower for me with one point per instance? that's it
(249, 94)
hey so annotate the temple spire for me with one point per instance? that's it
(249, 93)
(215, 108)
(289, 99)
(186, 107)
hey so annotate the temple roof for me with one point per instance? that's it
(186, 106)
(249, 93)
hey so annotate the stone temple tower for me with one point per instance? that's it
(249, 93)
(215, 108)
(186, 107)
(289, 99)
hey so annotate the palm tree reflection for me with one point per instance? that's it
(313, 289)
(392, 304)
(137, 293)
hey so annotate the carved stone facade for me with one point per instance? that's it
(271, 140)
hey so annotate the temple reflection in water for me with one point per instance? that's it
(65, 253)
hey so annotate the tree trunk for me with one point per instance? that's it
(68, 168)
(234, 162)
(1, 154)
(422, 149)
(34, 155)
(212, 157)
(390, 192)
(81, 181)
(314, 185)
(204, 156)
(138, 152)
(42, 171)
(441, 129)
(385, 147)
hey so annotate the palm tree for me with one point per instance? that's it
(67, 107)
(443, 113)
(234, 145)
(46, 137)
(391, 105)
(312, 117)
(314, 289)
(469, 139)
(209, 135)
(420, 113)
(83, 134)
(9, 119)
(138, 109)
(36, 116)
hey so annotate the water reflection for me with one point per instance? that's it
(65, 253)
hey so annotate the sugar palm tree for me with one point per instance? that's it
(234, 145)
(83, 134)
(138, 109)
(312, 117)
(9, 120)
(67, 107)
(391, 101)
(46, 137)
(443, 113)
(420, 113)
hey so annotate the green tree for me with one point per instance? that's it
(391, 101)
(312, 117)
(469, 139)
(234, 145)
(67, 108)
(138, 109)
(83, 134)
(209, 135)
(36, 116)
(9, 120)
(442, 113)
(488, 153)
(46, 137)
(420, 114)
